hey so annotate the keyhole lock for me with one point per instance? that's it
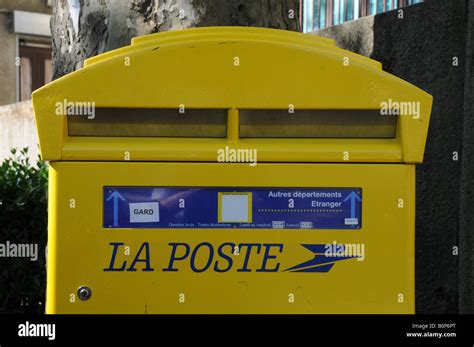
(84, 293)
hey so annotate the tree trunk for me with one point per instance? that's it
(84, 28)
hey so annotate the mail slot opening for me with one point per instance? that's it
(150, 122)
(317, 123)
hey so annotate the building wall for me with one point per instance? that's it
(17, 126)
(8, 69)
(18, 129)
(40, 6)
(422, 48)
(319, 14)
(9, 44)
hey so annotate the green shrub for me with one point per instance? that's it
(23, 220)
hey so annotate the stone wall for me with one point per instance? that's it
(428, 45)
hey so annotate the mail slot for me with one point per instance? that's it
(231, 170)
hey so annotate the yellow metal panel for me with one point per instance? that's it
(223, 35)
(79, 247)
(413, 132)
(197, 68)
(233, 126)
(52, 248)
(205, 149)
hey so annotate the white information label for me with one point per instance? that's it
(351, 221)
(278, 224)
(144, 212)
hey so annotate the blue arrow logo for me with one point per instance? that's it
(353, 197)
(115, 196)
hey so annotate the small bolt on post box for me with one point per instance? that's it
(231, 170)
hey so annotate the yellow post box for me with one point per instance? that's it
(231, 170)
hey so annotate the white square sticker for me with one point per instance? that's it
(144, 212)
(235, 208)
